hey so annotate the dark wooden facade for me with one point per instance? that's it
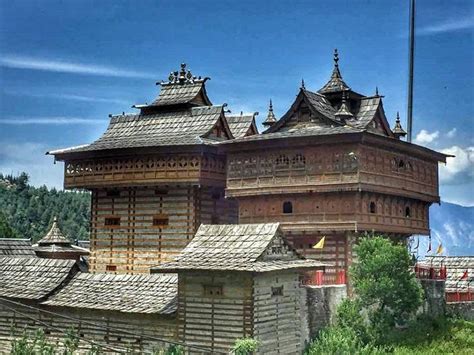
(332, 167)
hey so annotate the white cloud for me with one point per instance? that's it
(30, 157)
(21, 121)
(451, 25)
(451, 133)
(424, 137)
(69, 97)
(19, 62)
(460, 169)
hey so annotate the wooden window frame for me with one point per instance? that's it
(277, 291)
(160, 221)
(213, 290)
(108, 219)
(287, 207)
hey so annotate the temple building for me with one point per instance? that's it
(330, 167)
(155, 176)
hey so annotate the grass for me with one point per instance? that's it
(441, 336)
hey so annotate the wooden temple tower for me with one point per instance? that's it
(155, 176)
(332, 167)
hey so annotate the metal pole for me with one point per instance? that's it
(410, 70)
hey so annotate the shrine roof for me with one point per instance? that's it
(183, 127)
(155, 293)
(240, 124)
(54, 236)
(32, 278)
(242, 247)
(16, 248)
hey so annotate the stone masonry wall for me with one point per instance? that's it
(320, 307)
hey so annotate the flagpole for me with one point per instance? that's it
(411, 70)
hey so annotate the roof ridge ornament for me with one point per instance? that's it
(183, 76)
(302, 84)
(344, 113)
(270, 120)
(336, 73)
(398, 131)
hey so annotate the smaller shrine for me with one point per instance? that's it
(54, 245)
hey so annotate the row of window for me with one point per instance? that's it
(287, 208)
(160, 220)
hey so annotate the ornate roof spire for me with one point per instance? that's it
(270, 120)
(335, 84)
(302, 84)
(344, 113)
(183, 76)
(398, 131)
(376, 91)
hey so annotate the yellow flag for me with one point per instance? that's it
(440, 249)
(320, 244)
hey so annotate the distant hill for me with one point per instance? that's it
(27, 211)
(453, 226)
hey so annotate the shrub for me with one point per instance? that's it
(245, 346)
(341, 341)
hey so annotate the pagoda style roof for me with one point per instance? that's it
(242, 125)
(191, 126)
(16, 248)
(242, 247)
(54, 236)
(55, 242)
(182, 88)
(121, 293)
(33, 278)
(335, 83)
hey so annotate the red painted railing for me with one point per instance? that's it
(425, 272)
(460, 296)
(319, 278)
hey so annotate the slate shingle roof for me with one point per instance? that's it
(455, 268)
(54, 236)
(367, 110)
(240, 124)
(239, 247)
(184, 127)
(123, 293)
(32, 278)
(16, 248)
(172, 94)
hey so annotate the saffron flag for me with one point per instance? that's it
(440, 249)
(464, 276)
(320, 244)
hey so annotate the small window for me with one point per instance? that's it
(372, 207)
(111, 268)
(401, 164)
(112, 221)
(113, 193)
(212, 290)
(407, 212)
(160, 192)
(277, 291)
(287, 207)
(160, 220)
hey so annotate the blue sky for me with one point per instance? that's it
(65, 65)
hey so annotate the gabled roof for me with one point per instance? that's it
(16, 248)
(183, 127)
(242, 247)
(240, 125)
(121, 293)
(33, 278)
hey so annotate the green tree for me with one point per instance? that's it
(6, 231)
(384, 282)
